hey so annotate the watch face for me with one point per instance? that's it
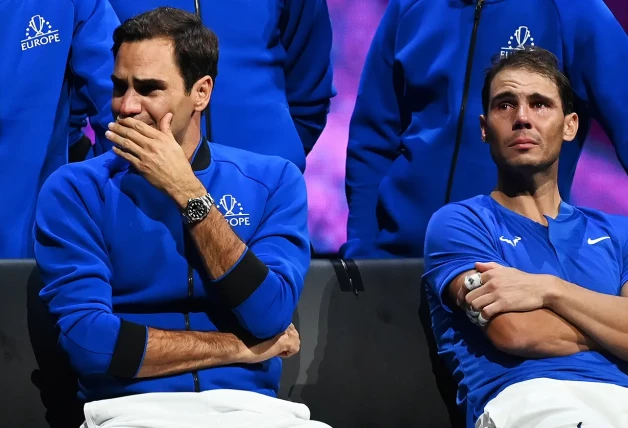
(197, 210)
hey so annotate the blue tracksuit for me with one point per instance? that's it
(414, 140)
(481, 230)
(274, 83)
(48, 50)
(119, 259)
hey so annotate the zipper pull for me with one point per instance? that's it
(478, 9)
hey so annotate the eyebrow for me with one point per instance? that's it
(510, 95)
(152, 83)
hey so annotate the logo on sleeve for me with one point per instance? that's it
(234, 213)
(39, 32)
(512, 242)
(518, 41)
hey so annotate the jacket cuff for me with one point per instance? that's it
(242, 280)
(129, 351)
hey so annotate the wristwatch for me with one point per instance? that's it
(197, 209)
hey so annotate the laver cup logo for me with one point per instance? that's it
(234, 213)
(39, 32)
(521, 39)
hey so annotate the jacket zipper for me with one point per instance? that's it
(465, 96)
(208, 128)
(197, 386)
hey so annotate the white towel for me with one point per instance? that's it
(223, 408)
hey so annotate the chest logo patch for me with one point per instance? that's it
(234, 213)
(512, 242)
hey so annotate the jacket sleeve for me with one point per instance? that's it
(373, 133)
(596, 49)
(264, 286)
(306, 37)
(74, 265)
(91, 63)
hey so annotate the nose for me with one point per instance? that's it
(522, 118)
(130, 104)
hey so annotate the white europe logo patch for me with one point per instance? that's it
(238, 218)
(39, 32)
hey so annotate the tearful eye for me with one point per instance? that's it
(145, 91)
(118, 90)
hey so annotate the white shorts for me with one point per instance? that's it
(220, 408)
(549, 403)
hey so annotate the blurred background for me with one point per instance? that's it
(600, 181)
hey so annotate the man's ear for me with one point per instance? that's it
(202, 92)
(483, 127)
(570, 127)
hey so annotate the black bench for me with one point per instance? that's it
(364, 359)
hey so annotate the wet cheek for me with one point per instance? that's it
(115, 109)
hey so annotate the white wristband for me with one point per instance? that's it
(473, 281)
(482, 321)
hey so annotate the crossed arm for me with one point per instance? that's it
(540, 316)
(172, 352)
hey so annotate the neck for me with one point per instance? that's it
(189, 139)
(534, 196)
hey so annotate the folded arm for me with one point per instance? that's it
(172, 352)
(536, 334)
(456, 240)
(601, 316)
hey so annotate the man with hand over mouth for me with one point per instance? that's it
(175, 266)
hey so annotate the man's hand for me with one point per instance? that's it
(507, 290)
(284, 345)
(157, 156)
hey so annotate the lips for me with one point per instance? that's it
(523, 143)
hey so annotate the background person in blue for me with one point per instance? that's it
(275, 71)
(49, 50)
(543, 341)
(162, 258)
(413, 145)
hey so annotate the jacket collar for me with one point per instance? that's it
(202, 157)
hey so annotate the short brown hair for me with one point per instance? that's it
(195, 46)
(535, 60)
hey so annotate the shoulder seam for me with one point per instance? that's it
(243, 173)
